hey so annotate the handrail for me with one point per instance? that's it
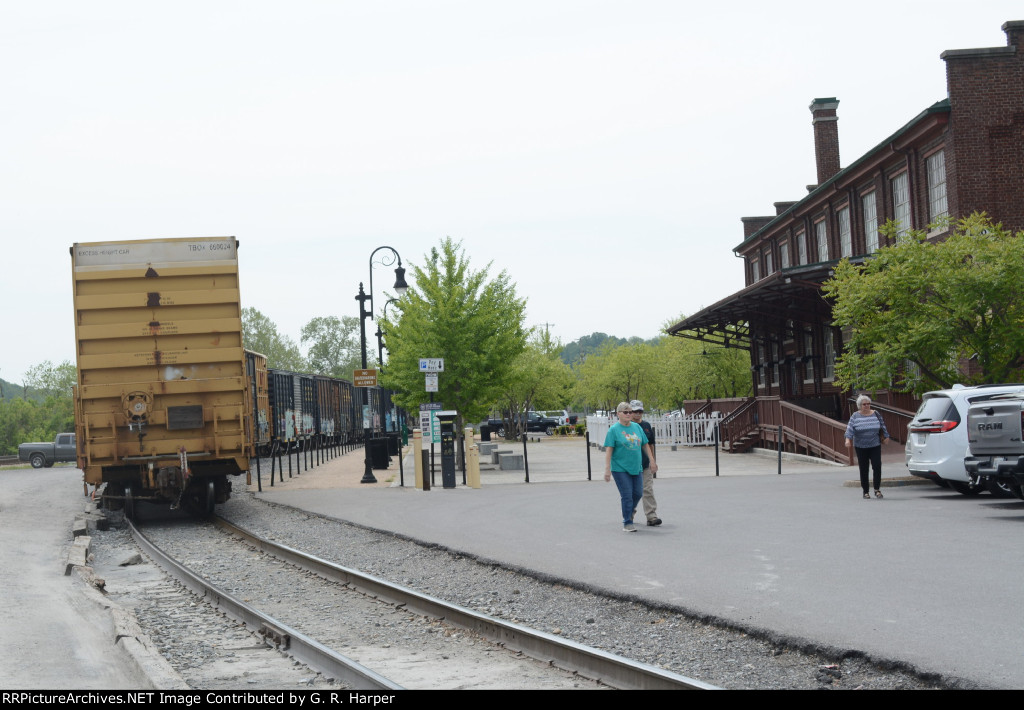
(738, 423)
(701, 409)
(810, 430)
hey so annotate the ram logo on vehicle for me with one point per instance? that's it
(991, 426)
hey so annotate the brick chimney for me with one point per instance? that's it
(752, 225)
(826, 137)
(1014, 34)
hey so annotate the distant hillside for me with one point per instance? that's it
(579, 349)
(9, 390)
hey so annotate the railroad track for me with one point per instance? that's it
(315, 592)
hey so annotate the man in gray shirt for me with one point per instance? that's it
(650, 505)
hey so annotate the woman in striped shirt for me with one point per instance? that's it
(866, 433)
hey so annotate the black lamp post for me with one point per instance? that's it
(400, 287)
(380, 334)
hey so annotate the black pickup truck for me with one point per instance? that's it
(996, 438)
(46, 453)
(535, 421)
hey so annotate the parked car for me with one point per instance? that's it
(559, 415)
(937, 437)
(46, 453)
(995, 433)
(535, 421)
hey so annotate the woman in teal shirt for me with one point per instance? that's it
(623, 461)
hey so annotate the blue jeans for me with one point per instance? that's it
(631, 490)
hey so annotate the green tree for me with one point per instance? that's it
(617, 374)
(23, 420)
(50, 379)
(689, 369)
(259, 333)
(334, 345)
(936, 305)
(46, 410)
(538, 379)
(473, 322)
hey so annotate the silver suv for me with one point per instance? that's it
(937, 436)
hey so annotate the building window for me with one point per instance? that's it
(870, 222)
(801, 247)
(845, 240)
(760, 365)
(769, 263)
(901, 204)
(808, 357)
(755, 269)
(784, 255)
(937, 204)
(822, 239)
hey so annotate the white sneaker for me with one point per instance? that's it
(629, 527)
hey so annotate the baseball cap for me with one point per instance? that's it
(636, 405)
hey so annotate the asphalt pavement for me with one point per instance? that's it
(925, 576)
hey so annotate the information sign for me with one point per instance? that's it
(432, 365)
(364, 378)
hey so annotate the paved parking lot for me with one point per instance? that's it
(925, 576)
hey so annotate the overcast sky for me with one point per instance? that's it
(600, 152)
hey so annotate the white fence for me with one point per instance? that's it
(684, 431)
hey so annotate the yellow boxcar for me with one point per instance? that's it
(162, 406)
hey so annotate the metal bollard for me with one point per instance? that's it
(588, 455)
(417, 447)
(473, 466)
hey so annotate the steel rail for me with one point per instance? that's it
(293, 642)
(608, 668)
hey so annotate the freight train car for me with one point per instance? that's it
(162, 405)
(284, 407)
(328, 409)
(309, 410)
(259, 396)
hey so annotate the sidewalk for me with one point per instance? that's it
(552, 459)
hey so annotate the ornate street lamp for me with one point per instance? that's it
(380, 334)
(400, 288)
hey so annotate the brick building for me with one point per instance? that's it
(962, 154)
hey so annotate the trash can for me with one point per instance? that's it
(394, 443)
(485, 432)
(379, 458)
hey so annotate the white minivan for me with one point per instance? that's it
(937, 436)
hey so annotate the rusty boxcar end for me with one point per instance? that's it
(163, 402)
